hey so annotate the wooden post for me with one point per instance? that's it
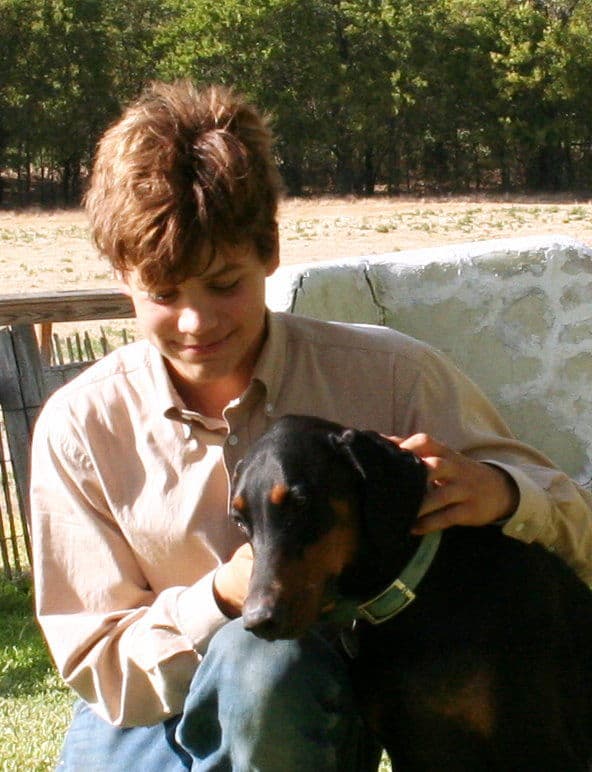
(22, 391)
(43, 334)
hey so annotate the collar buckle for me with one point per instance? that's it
(396, 598)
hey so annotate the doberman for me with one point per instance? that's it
(489, 668)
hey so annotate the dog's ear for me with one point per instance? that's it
(394, 483)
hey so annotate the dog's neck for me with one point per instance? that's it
(376, 565)
(381, 601)
(400, 592)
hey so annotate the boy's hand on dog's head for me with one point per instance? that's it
(231, 582)
(461, 491)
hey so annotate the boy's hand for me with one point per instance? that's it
(231, 582)
(461, 491)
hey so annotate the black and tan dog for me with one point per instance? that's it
(490, 668)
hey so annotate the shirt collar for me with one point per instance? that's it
(269, 369)
(168, 402)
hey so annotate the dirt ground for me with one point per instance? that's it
(45, 251)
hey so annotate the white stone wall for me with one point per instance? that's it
(515, 315)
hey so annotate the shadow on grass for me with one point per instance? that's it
(35, 705)
(25, 665)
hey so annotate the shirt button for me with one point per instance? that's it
(519, 527)
(268, 408)
(232, 440)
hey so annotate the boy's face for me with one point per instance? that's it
(210, 328)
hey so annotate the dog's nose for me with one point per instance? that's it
(264, 620)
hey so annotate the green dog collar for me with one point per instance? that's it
(397, 596)
(401, 592)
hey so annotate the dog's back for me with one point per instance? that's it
(490, 667)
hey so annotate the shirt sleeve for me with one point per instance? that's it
(128, 651)
(553, 510)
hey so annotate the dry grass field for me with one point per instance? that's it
(51, 250)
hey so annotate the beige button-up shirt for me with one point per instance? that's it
(130, 489)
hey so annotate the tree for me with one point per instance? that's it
(442, 94)
(66, 73)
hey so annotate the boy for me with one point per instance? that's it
(139, 576)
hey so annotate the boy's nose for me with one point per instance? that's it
(193, 320)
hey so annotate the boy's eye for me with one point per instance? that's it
(225, 286)
(163, 297)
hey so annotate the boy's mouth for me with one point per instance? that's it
(203, 348)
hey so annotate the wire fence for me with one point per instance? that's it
(13, 542)
(70, 353)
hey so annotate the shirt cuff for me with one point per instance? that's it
(532, 517)
(198, 615)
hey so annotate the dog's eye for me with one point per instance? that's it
(240, 522)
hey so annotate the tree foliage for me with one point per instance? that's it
(401, 95)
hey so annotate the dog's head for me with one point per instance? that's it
(327, 510)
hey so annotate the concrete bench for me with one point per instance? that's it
(515, 315)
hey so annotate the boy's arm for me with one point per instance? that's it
(128, 650)
(449, 422)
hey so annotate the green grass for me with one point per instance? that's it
(35, 706)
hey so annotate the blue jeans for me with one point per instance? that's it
(285, 706)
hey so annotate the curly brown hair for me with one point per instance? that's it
(181, 173)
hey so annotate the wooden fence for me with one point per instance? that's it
(28, 374)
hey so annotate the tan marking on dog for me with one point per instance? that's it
(278, 493)
(239, 503)
(303, 580)
(336, 548)
(343, 510)
(472, 705)
(299, 584)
